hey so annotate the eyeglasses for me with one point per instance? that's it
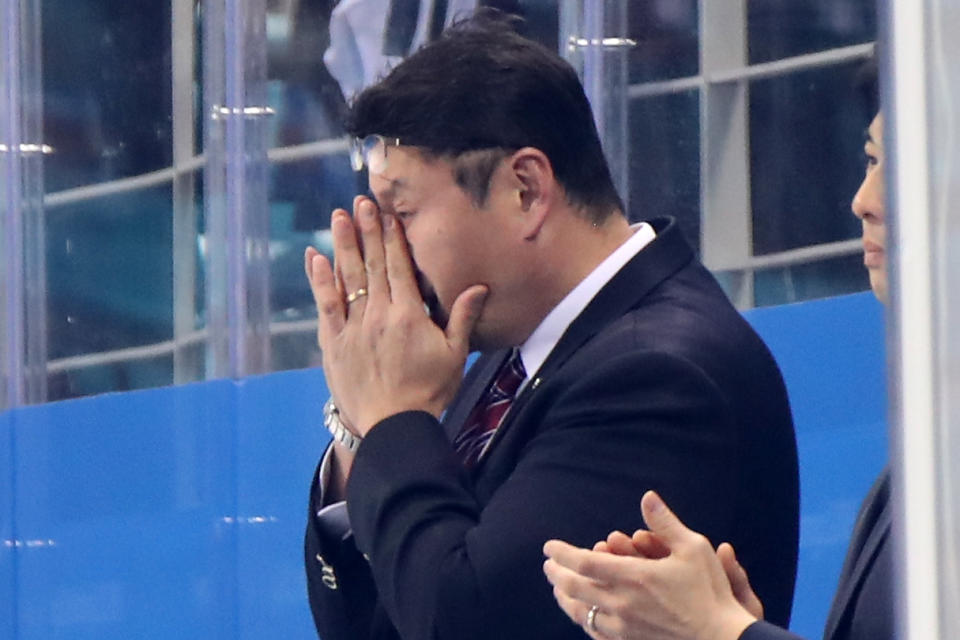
(371, 152)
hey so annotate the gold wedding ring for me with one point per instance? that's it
(359, 293)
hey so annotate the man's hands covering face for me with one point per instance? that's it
(382, 354)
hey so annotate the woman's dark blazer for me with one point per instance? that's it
(863, 605)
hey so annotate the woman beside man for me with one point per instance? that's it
(668, 583)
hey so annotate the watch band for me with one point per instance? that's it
(333, 423)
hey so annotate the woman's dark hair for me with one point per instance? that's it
(484, 89)
(867, 86)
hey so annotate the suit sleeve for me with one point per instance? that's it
(339, 583)
(592, 443)
(761, 630)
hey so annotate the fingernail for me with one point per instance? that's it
(656, 504)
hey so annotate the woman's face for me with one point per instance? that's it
(868, 206)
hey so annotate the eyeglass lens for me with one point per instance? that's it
(371, 152)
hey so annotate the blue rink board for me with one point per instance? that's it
(833, 359)
(179, 512)
(8, 603)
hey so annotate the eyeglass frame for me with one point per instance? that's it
(362, 148)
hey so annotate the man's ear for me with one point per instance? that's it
(537, 188)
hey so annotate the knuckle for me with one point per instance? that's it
(374, 337)
(618, 606)
(581, 565)
(700, 544)
(564, 582)
(405, 322)
(560, 596)
(328, 307)
(617, 626)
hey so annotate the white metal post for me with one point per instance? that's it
(23, 286)
(237, 213)
(726, 225)
(593, 39)
(922, 131)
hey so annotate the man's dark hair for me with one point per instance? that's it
(482, 91)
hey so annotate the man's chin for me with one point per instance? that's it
(482, 341)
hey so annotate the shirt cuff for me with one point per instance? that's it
(329, 512)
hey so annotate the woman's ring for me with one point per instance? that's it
(592, 618)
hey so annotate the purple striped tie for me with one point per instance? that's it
(487, 415)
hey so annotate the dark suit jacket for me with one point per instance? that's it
(658, 384)
(863, 606)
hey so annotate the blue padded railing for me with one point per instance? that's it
(179, 512)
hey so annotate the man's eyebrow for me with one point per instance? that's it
(390, 193)
(396, 184)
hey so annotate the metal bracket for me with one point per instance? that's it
(575, 43)
(28, 149)
(220, 111)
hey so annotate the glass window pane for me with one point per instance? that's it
(821, 279)
(666, 35)
(109, 287)
(806, 157)
(108, 113)
(107, 91)
(665, 160)
(783, 28)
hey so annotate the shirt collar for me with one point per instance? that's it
(545, 337)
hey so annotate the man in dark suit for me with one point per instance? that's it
(611, 361)
(667, 580)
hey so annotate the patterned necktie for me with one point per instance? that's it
(487, 415)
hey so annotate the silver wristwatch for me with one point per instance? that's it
(331, 420)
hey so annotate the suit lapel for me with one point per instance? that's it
(668, 253)
(872, 528)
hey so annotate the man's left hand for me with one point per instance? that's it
(382, 354)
